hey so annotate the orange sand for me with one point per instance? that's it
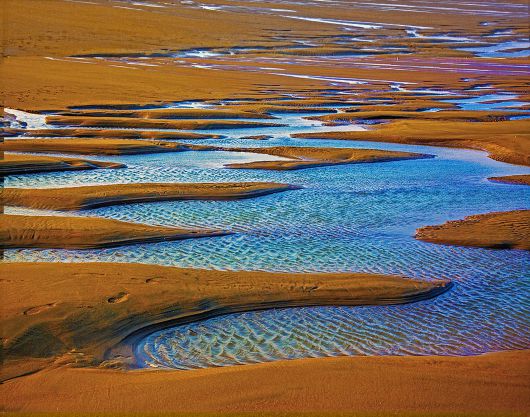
(77, 198)
(498, 230)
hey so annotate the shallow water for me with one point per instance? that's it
(346, 218)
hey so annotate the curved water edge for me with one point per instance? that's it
(357, 218)
(132, 344)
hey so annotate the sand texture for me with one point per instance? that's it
(499, 230)
(78, 198)
(301, 157)
(12, 164)
(85, 232)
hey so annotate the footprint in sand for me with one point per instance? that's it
(118, 298)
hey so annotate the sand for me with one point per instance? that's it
(12, 164)
(88, 197)
(523, 179)
(132, 122)
(306, 157)
(507, 141)
(497, 230)
(115, 133)
(85, 232)
(81, 310)
(389, 114)
(90, 146)
(495, 384)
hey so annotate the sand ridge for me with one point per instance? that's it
(87, 197)
(497, 230)
(20, 231)
(83, 316)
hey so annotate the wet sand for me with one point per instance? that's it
(114, 133)
(512, 179)
(492, 384)
(507, 141)
(132, 122)
(390, 113)
(82, 312)
(12, 164)
(500, 230)
(304, 157)
(96, 146)
(81, 198)
(85, 232)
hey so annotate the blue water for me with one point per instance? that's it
(346, 218)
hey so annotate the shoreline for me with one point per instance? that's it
(117, 302)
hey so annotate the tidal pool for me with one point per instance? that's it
(352, 218)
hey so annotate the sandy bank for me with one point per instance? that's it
(499, 230)
(92, 307)
(130, 122)
(491, 384)
(96, 146)
(84, 232)
(512, 179)
(77, 198)
(164, 113)
(306, 157)
(115, 133)
(389, 114)
(507, 141)
(12, 164)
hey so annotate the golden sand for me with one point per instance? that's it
(85, 232)
(87, 197)
(498, 230)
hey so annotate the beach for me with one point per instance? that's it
(284, 208)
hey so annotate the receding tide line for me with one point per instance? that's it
(349, 23)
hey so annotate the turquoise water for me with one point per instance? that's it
(346, 218)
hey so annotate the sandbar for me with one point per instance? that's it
(507, 141)
(12, 164)
(87, 197)
(307, 157)
(85, 232)
(497, 230)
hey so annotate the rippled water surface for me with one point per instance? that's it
(346, 218)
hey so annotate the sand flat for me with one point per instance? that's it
(84, 313)
(13, 164)
(85, 232)
(348, 386)
(131, 122)
(507, 141)
(523, 179)
(498, 230)
(307, 157)
(107, 146)
(78, 198)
